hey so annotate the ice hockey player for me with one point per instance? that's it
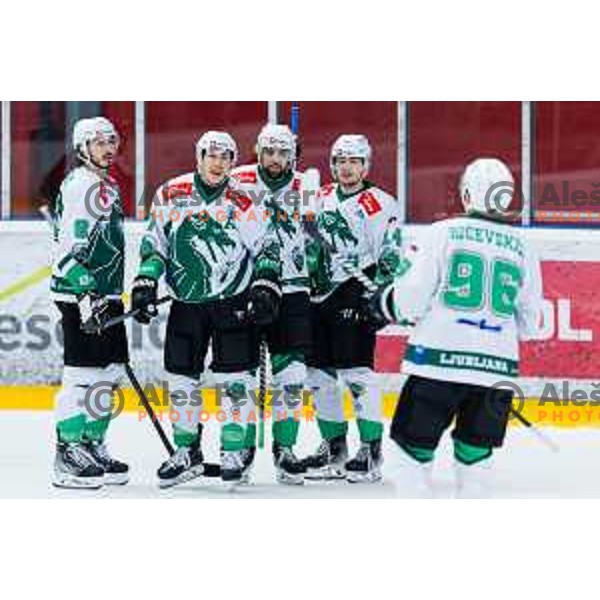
(223, 277)
(358, 229)
(276, 190)
(473, 292)
(87, 283)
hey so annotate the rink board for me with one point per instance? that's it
(566, 353)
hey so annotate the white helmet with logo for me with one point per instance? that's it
(487, 187)
(277, 137)
(217, 141)
(88, 130)
(350, 146)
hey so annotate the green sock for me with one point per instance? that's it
(369, 430)
(422, 455)
(184, 438)
(233, 437)
(95, 429)
(285, 432)
(469, 454)
(332, 429)
(71, 430)
(250, 439)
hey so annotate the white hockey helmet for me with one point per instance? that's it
(87, 130)
(487, 187)
(277, 136)
(217, 141)
(350, 146)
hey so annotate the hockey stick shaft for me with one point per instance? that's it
(546, 440)
(210, 469)
(262, 392)
(148, 408)
(128, 315)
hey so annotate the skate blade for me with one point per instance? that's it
(288, 479)
(325, 473)
(71, 482)
(116, 478)
(370, 477)
(190, 474)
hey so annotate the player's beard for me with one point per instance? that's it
(276, 171)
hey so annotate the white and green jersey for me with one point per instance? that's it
(206, 241)
(360, 229)
(474, 290)
(279, 203)
(89, 233)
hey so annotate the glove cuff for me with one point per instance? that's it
(143, 280)
(267, 283)
(387, 303)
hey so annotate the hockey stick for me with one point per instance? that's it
(546, 440)
(128, 315)
(262, 392)
(210, 469)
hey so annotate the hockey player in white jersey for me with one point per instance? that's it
(275, 189)
(86, 284)
(223, 275)
(473, 292)
(357, 226)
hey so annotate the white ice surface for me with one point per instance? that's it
(523, 469)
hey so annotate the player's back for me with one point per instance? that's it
(479, 287)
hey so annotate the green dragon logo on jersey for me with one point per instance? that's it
(105, 252)
(333, 224)
(190, 272)
(282, 220)
(211, 232)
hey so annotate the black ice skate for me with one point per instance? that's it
(185, 464)
(328, 461)
(75, 468)
(290, 469)
(115, 471)
(365, 467)
(236, 466)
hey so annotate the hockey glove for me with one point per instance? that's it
(93, 312)
(263, 305)
(143, 299)
(379, 309)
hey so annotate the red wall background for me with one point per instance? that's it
(442, 138)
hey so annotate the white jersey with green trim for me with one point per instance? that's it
(205, 240)
(89, 255)
(360, 229)
(474, 289)
(279, 203)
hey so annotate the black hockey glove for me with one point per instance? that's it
(143, 299)
(378, 308)
(93, 311)
(264, 301)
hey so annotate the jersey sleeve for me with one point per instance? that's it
(414, 290)
(154, 246)
(76, 226)
(528, 309)
(385, 237)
